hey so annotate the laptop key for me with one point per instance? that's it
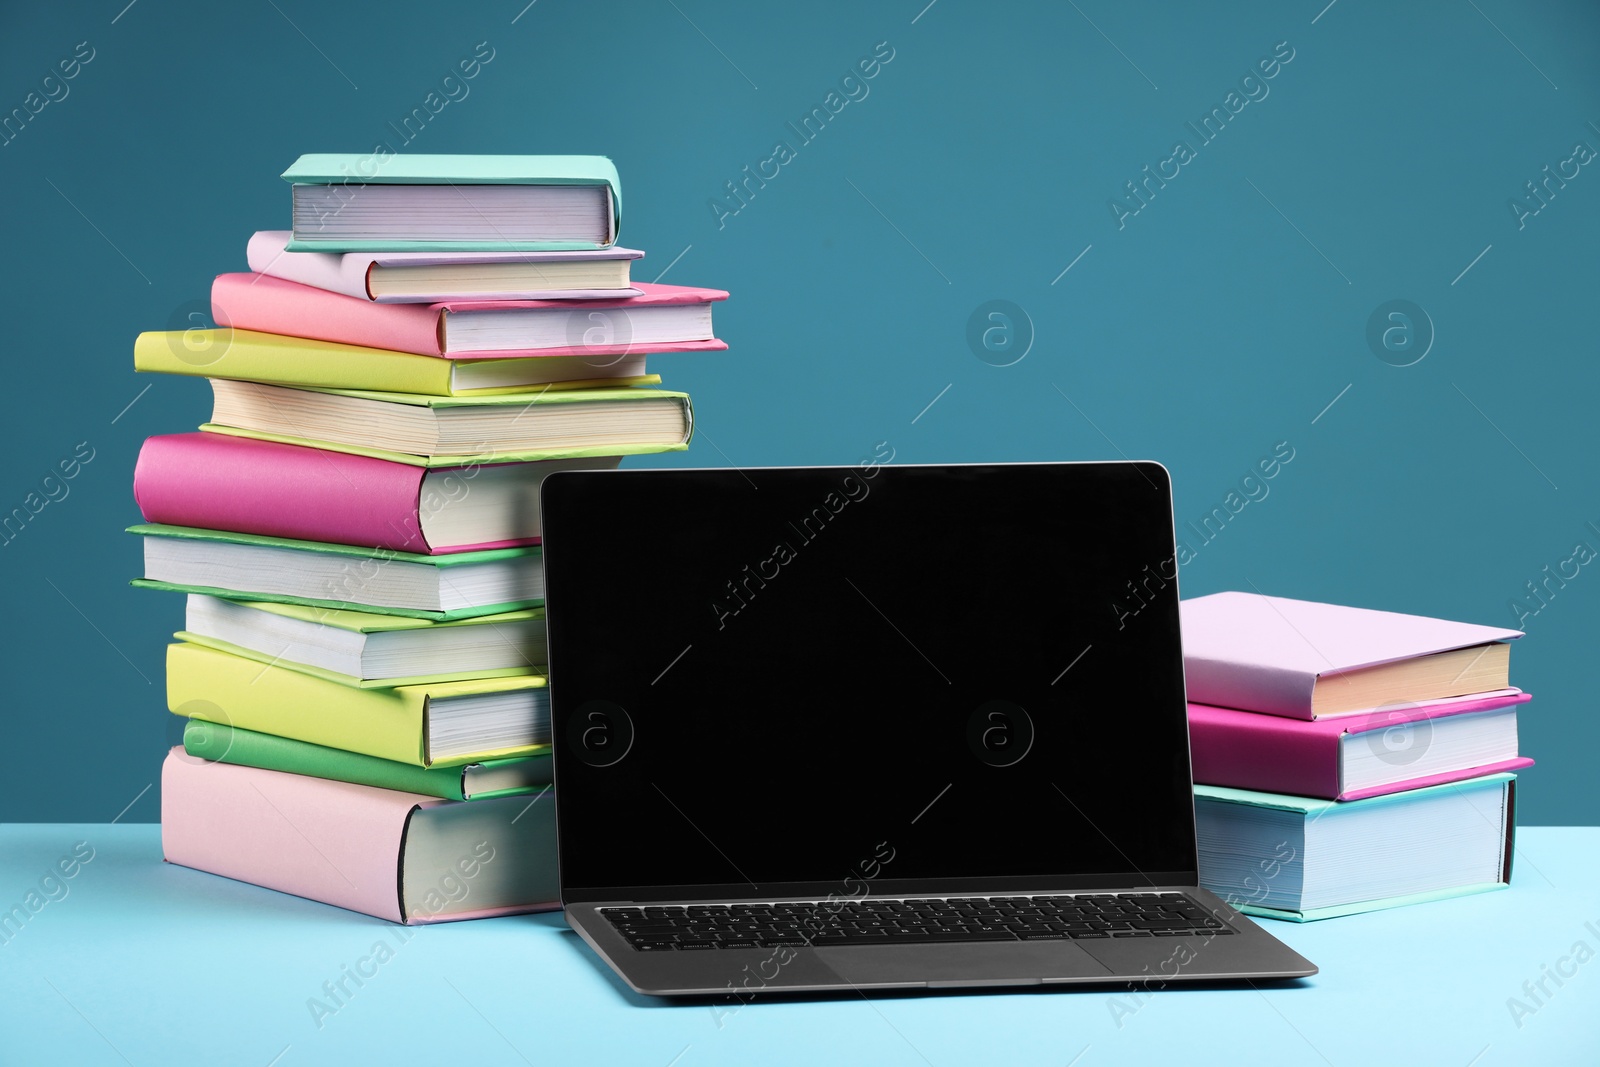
(696, 946)
(972, 935)
(937, 936)
(899, 937)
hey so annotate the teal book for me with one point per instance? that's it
(482, 780)
(1300, 858)
(453, 203)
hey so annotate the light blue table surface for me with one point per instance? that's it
(133, 961)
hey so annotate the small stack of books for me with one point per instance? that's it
(1348, 759)
(357, 526)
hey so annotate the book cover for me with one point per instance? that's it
(568, 422)
(366, 649)
(220, 743)
(366, 622)
(289, 360)
(351, 680)
(399, 856)
(1268, 654)
(329, 575)
(510, 456)
(225, 482)
(420, 168)
(1272, 754)
(392, 724)
(265, 304)
(1267, 853)
(350, 171)
(350, 273)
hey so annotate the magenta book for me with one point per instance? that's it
(221, 482)
(1388, 750)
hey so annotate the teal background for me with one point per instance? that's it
(1222, 319)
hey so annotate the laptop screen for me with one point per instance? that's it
(870, 679)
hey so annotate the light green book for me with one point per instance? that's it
(404, 202)
(1303, 858)
(484, 780)
(245, 566)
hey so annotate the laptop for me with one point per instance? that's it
(873, 726)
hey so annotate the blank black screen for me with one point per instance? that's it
(873, 678)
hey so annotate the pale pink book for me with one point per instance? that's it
(350, 273)
(1389, 750)
(221, 482)
(1270, 654)
(663, 318)
(399, 856)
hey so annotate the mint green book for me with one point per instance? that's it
(354, 202)
(484, 780)
(245, 566)
(1302, 858)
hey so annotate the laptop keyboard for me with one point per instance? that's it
(702, 927)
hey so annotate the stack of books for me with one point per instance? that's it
(357, 525)
(1347, 759)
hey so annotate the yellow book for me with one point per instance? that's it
(438, 724)
(279, 359)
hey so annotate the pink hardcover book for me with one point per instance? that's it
(351, 273)
(1389, 750)
(221, 482)
(398, 856)
(1269, 654)
(663, 318)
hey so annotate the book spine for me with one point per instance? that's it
(327, 841)
(1250, 687)
(280, 359)
(1247, 750)
(271, 305)
(203, 683)
(343, 274)
(220, 482)
(220, 743)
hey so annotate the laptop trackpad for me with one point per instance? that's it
(960, 964)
